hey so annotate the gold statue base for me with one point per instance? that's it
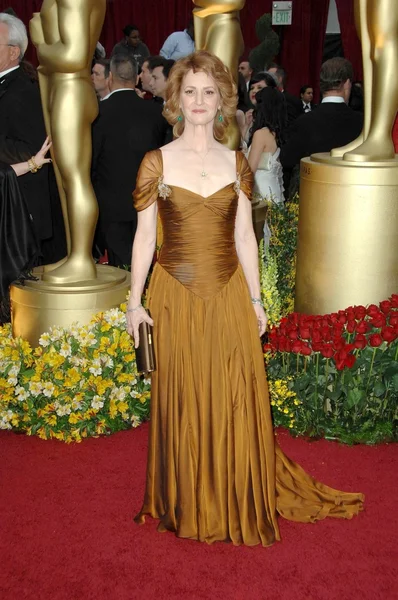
(347, 234)
(38, 305)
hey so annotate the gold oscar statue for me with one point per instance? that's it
(348, 223)
(217, 29)
(377, 28)
(65, 33)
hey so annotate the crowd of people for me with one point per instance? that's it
(277, 130)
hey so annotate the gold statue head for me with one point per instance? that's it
(223, 80)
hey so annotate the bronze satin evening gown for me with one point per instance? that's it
(214, 470)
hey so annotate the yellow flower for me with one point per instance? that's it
(286, 411)
(122, 407)
(73, 418)
(105, 327)
(51, 420)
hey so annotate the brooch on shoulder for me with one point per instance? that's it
(237, 185)
(164, 190)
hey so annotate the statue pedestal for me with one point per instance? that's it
(38, 305)
(347, 234)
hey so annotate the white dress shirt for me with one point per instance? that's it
(8, 71)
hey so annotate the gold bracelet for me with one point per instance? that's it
(36, 166)
(33, 168)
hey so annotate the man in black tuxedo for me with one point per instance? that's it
(332, 124)
(307, 96)
(293, 104)
(127, 128)
(22, 130)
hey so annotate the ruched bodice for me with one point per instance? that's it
(203, 260)
(214, 471)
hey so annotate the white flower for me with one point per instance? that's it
(76, 404)
(14, 371)
(135, 394)
(115, 317)
(63, 410)
(45, 340)
(117, 394)
(97, 403)
(5, 424)
(135, 421)
(95, 369)
(12, 381)
(65, 350)
(147, 381)
(21, 393)
(106, 361)
(87, 338)
(35, 388)
(48, 389)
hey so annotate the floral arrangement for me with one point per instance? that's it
(343, 370)
(79, 382)
(279, 259)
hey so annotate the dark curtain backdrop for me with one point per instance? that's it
(349, 38)
(301, 43)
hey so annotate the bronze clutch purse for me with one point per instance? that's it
(145, 353)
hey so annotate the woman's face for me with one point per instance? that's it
(199, 98)
(134, 38)
(254, 88)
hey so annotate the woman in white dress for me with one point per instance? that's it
(263, 156)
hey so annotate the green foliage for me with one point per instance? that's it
(268, 48)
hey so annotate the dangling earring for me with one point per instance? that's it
(179, 118)
(220, 118)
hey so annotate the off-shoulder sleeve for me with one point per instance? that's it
(147, 185)
(245, 175)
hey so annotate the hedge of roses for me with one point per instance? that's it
(343, 368)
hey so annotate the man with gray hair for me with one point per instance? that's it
(22, 130)
(125, 130)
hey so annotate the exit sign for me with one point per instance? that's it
(282, 13)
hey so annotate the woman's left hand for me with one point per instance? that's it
(40, 158)
(262, 319)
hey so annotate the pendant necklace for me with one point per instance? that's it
(203, 172)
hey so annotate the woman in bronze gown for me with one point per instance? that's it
(215, 472)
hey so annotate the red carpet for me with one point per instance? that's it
(66, 530)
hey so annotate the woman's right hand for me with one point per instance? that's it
(134, 318)
(249, 117)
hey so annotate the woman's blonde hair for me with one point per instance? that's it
(215, 68)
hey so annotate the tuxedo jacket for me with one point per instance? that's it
(329, 126)
(312, 105)
(125, 130)
(22, 134)
(294, 107)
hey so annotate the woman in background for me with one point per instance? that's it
(267, 136)
(19, 249)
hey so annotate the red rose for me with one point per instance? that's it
(394, 318)
(385, 306)
(378, 320)
(293, 335)
(296, 347)
(341, 318)
(316, 336)
(326, 334)
(375, 340)
(362, 327)
(372, 309)
(388, 334)
(360, 341)
(267, 348)
(305, 333)
(338, 343)
(305, 349)
(360, 312)
(350, 361)
(351, 326)
(394, 300)
(333, 317)
(317, 346)
(327, 351)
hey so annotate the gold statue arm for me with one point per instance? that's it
(209, 7)
(73, 17)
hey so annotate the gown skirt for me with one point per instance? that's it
(215, 471)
